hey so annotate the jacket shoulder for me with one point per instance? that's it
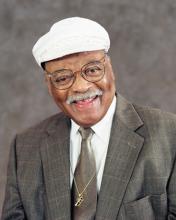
(36, 132)
(150, 114)
(158, 126)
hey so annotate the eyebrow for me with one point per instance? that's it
(90, 61)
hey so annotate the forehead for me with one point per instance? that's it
(74, 60)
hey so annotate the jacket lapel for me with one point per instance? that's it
(56, 168)
(124, 148)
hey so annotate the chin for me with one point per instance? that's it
(88, 122)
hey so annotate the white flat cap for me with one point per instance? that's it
(68, 36)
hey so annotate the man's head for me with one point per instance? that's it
(78, 71)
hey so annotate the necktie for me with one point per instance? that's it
(85, 187)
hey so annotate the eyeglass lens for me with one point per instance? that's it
(92, 72)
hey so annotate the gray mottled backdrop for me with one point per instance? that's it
(143, 39)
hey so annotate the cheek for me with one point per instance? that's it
(107, 84)
(60, 96)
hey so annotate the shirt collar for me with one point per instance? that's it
(103, 127)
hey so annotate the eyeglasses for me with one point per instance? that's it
(92, 72)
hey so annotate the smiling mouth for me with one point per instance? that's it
(84, 97)
(86, 100)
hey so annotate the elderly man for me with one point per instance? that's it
(102, 157)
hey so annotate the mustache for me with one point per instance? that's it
(83, 96)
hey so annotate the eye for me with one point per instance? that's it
(92, 70)
(62, 77)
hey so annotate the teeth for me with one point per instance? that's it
(81, 97)
(90, 98)
(87, 99)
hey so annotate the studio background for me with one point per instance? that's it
(143, 54)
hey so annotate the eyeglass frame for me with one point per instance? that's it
(81, 73)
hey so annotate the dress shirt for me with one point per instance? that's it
(99, 142)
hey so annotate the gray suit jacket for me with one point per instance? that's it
(139, 180)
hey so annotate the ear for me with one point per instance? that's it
(110, 67)
(48, 83)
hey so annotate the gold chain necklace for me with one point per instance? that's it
(80, 197)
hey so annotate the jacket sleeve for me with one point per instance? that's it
(172, 194)
(12, 207)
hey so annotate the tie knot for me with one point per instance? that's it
(86, 133)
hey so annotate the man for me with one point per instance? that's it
(102, 157)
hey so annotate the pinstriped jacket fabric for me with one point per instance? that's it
(139, 179)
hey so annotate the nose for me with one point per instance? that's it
(80, 85)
